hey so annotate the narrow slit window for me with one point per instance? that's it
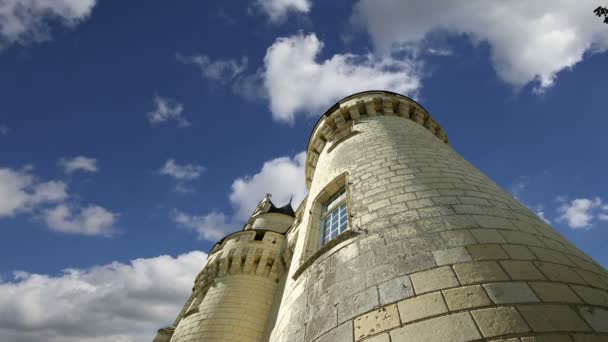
(334, 219)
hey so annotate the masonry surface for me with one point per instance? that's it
(434, 251)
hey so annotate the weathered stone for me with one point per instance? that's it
(552, 317)
(466, 297)
(457, 327)
(554, 292)
(343, 332)
(507, 293)
(435, 279)
(376, 321)
(423, 306)
(596, 317)
(477, 272)
(395, 289)
(499, 321)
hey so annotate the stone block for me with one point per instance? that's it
(457, 238)
(512, 292)
(552, 317)
(521, 238)
(478, 272)
(378, 338)
(395, 289)
(589, 338)
(466, 297)
(357, 304)
(322, 321)
(451, 256)
(559, 273)
(374, 322)
(521, 270)
(457, 327)
(547, 338)
(554, 292)
(435, 279)
(550, 255)
(486, 235)
(499, 321)
(597, 318)
(487, 252)
(592, 296)
(423, 306)
(494, 222)
(519, 252)
(343, 332)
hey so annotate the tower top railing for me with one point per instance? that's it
(335, 125)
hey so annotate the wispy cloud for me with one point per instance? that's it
(21, 192)
(29, 21)
(4, 130)
(79, 163)
(277, 10)
(166, 109)
(222, 70)
(283, 177)
(581, 213)
(181, 174)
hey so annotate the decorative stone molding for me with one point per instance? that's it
(336, 124)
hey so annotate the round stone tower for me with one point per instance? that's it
(401, 239)
(233, 295)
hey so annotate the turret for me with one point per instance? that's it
(233, 295)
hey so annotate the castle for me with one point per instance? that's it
(400, 239)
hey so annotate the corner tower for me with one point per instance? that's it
(401, 239)
(233, 295)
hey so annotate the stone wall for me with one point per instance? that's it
(436, 252)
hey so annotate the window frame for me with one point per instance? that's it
(333, 205)
(313, 246)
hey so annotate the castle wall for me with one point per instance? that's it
(234, 292)
(437, 251)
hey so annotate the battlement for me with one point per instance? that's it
(336, 125)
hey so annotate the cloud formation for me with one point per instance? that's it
(27, 21)
(222, 70)
(181, 174)
(79, 163)
(296, 81)
(91, 220)
(581, 213)
(167, 110)
(22, 192)
(529, 41)
(277, 10)
(125, 302)
(4, 130)
(283, 177)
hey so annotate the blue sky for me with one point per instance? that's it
(134, 134)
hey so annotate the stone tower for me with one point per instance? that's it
(400, 239)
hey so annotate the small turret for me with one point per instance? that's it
(233, 294)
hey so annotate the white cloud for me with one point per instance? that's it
(283, 177)
(82, 163)
(91, 220)
(114, 302)
(277, 10)
(211, 227)
(4, 130)
(20, 191)
(25, 21)
(579, 213)
(167, 110)
(529, 41)
(219, 70)
(182, 174)
(297, 82)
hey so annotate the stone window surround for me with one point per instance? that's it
(312, 246)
